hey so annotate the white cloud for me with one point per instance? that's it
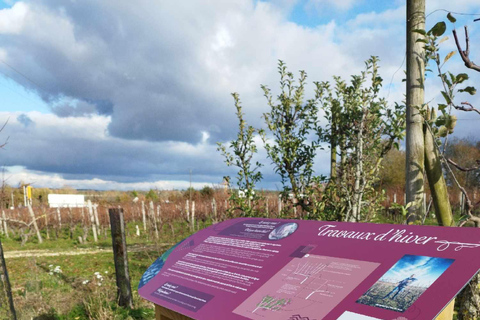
(16, 176)
(12, 20)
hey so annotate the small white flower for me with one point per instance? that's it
(99, 284)
(85, 282)
(241, 194)
(97, 273)
(106, 272)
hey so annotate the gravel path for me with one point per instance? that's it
(52, 253)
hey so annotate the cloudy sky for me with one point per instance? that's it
(135, 94)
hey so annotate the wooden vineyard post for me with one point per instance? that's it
(5, 226)
(95, 214)
(214, 208)
(144, 218)
(34, 222)
(59, 218)
(154, 217)
(6, 285)
(119, 243)
(92, 221)
(193, 217)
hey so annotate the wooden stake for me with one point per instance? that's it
(59, 217)
(144, 218)
(193, 216)
(34, 222)
(5, 226)
(6, 285)
(119, 244)
(95, 213)
(92, 221)
(154, 217)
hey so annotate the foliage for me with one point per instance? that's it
(296, 134)
(365, 128)
(466, 152)
(240, 154)
(392, 172)
(453, 84)
(151, 195)
(207, 192)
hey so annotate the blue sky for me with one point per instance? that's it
(133, 95)
(425, 269)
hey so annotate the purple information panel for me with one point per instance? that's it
(272, 269)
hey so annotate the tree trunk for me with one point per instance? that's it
(144, 218)
(468, 300)
(34, 222)
(436, 181)
(92, 221)
(119, 244)
(333, 145)
(415, 149)
(6, 285)
(154, 218)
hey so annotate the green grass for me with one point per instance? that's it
(41, 295)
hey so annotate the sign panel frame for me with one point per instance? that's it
(254, 268)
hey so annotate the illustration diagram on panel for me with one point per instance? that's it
(310, 286)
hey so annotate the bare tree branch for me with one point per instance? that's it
(463, 168)
(469, 108)
(464, 54)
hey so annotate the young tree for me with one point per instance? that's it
(243, 148)
(295, 136)
(440, 127)
(365, 129)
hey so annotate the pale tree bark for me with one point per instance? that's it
(34, 222)
(357, 193)
(415, 148)
(415, 99)
(333, 145)
(469, 300)
(436, 181)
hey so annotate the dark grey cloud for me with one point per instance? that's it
(70, 109)
(25, 120)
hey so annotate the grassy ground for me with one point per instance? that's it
(82, 286)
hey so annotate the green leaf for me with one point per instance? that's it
(421, 31)
(461, 77)
(439, 29)
(448, 56)
(421, 40)
(447, 98)
(469, 89)
(451, 18)
(442, 106)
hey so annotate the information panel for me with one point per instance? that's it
(272, 269)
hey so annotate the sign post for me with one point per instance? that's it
(272, 269)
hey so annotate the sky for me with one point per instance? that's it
(135, 94)
(425, 269)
